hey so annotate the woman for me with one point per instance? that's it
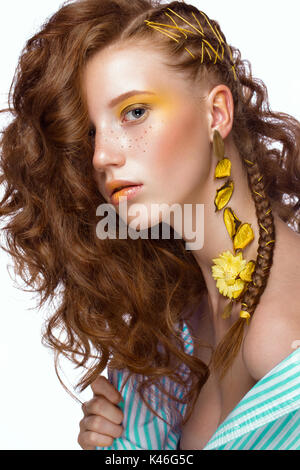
(168, 322)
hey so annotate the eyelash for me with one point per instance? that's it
(134, 108)
(126, 111)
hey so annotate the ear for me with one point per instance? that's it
(221, 110)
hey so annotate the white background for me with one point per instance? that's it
(35, 410)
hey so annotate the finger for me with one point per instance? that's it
(101, 425)
(89, 440)
(100, 406)
(101, 386)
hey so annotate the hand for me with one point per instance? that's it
(102, 417)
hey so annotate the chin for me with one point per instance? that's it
(141, 222)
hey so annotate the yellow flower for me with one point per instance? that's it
(226, 271)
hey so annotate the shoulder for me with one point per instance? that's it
(273, 334)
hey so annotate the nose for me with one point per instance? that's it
(106, 155)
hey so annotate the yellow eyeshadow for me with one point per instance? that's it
(139, 99)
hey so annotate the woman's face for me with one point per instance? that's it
(148, 127)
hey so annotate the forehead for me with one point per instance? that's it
(117, 69)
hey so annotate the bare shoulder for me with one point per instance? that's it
(273, 334)
(275, 325)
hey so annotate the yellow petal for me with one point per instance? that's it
(230, 278)
(223, 195)
(223, 168)
(243, 237)
(231, 222)
(232, 292)
(246, 274)
(217, 272)
(223, 287)
(236, 264)
(237, 289)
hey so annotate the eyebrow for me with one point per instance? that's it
(122, 97)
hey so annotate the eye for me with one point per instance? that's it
(135, 114)
(91, 133)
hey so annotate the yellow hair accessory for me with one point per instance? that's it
(165, 29)
(264, 228)
(248, 161)
(246, 315)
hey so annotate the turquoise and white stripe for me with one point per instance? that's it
(142, 429)
(267, 418)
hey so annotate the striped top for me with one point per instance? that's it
(267, 418)
(142, 429)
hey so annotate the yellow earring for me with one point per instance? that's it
(231, 272)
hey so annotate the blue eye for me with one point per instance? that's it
(136, 113)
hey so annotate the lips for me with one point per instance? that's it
(129, 192)
(122, 187)
(116, 185)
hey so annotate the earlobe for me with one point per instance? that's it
(221, 110)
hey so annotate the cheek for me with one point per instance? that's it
(177, 146)
(136, 141)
